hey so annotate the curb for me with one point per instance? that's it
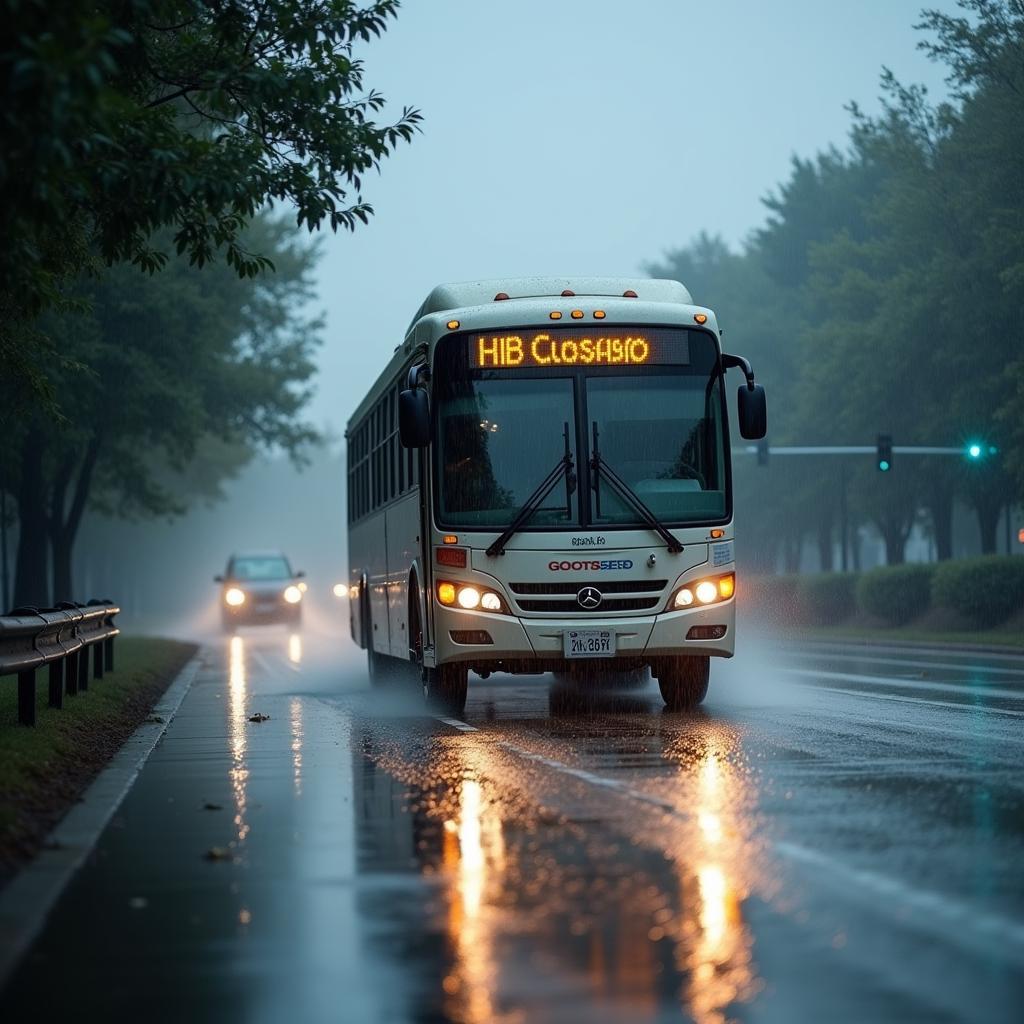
(27, 901)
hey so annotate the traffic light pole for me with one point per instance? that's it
(848, 449)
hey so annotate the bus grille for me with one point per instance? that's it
(609, 604)
(605, 586)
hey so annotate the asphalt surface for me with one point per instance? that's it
(837, 835)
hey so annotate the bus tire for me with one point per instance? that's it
(445, 688)
(684, 682)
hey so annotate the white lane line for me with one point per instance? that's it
(874, 660)
(952, 911)
(456, 723)
(939, 652)
(909, 684)
(956, 705)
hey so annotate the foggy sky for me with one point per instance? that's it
(586, 137)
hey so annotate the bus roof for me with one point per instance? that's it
(478, 293)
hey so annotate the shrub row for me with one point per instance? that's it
(986, 591)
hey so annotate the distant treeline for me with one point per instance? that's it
(885, 295)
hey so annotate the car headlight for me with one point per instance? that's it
(709, 591)
(234, 597)
(340, 590)
(469, 597)
(292, 594)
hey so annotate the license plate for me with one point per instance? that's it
(589, 643)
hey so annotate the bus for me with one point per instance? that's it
(539, 481)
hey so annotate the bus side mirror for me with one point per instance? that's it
(414, 418)
(753, 412)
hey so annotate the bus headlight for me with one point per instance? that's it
(292, 594)
(469, 597)
(709, 591)
(234, 597)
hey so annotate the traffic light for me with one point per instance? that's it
(762, 452)
(977, 450)
(884, 460)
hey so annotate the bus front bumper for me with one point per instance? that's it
(638, 637)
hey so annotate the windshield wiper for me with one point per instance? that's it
(536, 499)
(599, 466)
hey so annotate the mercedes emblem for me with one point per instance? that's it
(589, 598)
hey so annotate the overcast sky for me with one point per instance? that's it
(586, 137)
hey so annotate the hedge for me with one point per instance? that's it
(826, 598)
(987, 590)
(896, 593)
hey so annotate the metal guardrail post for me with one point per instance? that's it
(97, 660)
(27, 697)
(108, 653)
(83, 670)
(57, 684)
(71, 675)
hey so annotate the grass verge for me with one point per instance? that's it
(44, 769)
(1009, 639)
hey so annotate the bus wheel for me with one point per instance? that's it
(684, 682)
(445, 688)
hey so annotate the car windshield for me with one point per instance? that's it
(659, 427)
(260, 567)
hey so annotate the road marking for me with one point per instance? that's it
(957, 705)
(1017, 673)
(456, 723)
(909, 684)
(954, 912)
(942, 652)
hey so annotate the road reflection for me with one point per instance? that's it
(715, 948)
(607, 901)
(237, 698)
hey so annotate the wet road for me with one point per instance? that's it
(838, 834)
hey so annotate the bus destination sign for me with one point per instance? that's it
(575, 347)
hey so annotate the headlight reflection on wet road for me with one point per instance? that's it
(237, 697)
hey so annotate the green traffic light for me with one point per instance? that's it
(974, 451)
(883, 465)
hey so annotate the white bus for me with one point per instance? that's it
(540, 481)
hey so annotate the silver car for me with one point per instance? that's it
(260, 586)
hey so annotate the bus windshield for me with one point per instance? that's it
(658, 426)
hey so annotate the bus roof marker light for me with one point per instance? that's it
(453, 325)
(629, 294)
(577, 314)
(451, 538)
(555, 315)
(715, 534)
(701, 318)
(599, 314)
(568, 294)
(501, 296)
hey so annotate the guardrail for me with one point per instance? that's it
(61, 638)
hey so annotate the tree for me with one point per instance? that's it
(183, 362)
(125, 118)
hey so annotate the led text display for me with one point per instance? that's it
(546, 348)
